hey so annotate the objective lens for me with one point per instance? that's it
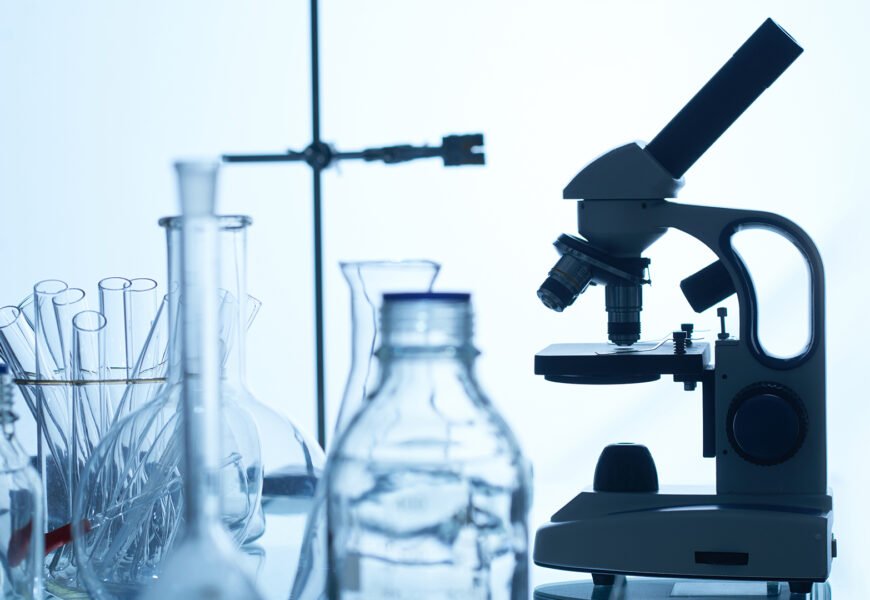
(567, 279)
(623, 303)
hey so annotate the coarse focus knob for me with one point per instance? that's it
(626, 468)
(767, 423)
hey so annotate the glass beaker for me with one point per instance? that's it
(368, 281)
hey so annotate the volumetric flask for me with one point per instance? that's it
(368, 281)
(204, 565)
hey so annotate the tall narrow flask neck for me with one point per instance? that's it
(200, 358)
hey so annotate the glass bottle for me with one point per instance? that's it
(428, 491)
(129, 503)
(368, 281)
(21, 508)
(205, 565)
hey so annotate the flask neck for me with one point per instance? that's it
(200, 357)
(235, 308)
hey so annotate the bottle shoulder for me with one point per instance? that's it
(429, 439)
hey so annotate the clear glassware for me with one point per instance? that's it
(368, 281)
(292, 461)
(54, 426)
(428, 491)
(21, 508)
(73, 367)
(129, 502)
(205, 565)
(263, 449)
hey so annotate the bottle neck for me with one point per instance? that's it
(7, 413)
(426, 328)
(425, 342)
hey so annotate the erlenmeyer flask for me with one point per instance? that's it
(368, 281)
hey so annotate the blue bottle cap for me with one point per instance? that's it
(437, 296)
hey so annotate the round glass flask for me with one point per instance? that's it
(132, 483)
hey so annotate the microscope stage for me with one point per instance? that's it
(611, 364)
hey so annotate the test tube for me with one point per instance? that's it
(111, 291)
(17, 342)
(140, 307)
(67, 304)
(49, 353)
(26, 308)
(92, 414)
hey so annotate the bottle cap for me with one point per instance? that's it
(435, 296)
(426, 320)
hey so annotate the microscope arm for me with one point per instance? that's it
(714, 227)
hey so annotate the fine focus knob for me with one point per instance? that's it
(626, 468)
(767, 423)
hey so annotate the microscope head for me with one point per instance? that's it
(615, 190)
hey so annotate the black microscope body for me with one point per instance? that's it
(769, 517)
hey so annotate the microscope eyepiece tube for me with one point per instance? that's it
(623, 304)
(754, 66)
(567, 279)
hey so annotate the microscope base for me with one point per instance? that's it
(653, 589)
(690, 535)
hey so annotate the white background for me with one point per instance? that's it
(97, 97)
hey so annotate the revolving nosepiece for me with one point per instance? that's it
(580, 265)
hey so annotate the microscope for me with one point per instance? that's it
(767, 524)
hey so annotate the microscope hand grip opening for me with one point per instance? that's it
(754, 67)
(749, 304)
